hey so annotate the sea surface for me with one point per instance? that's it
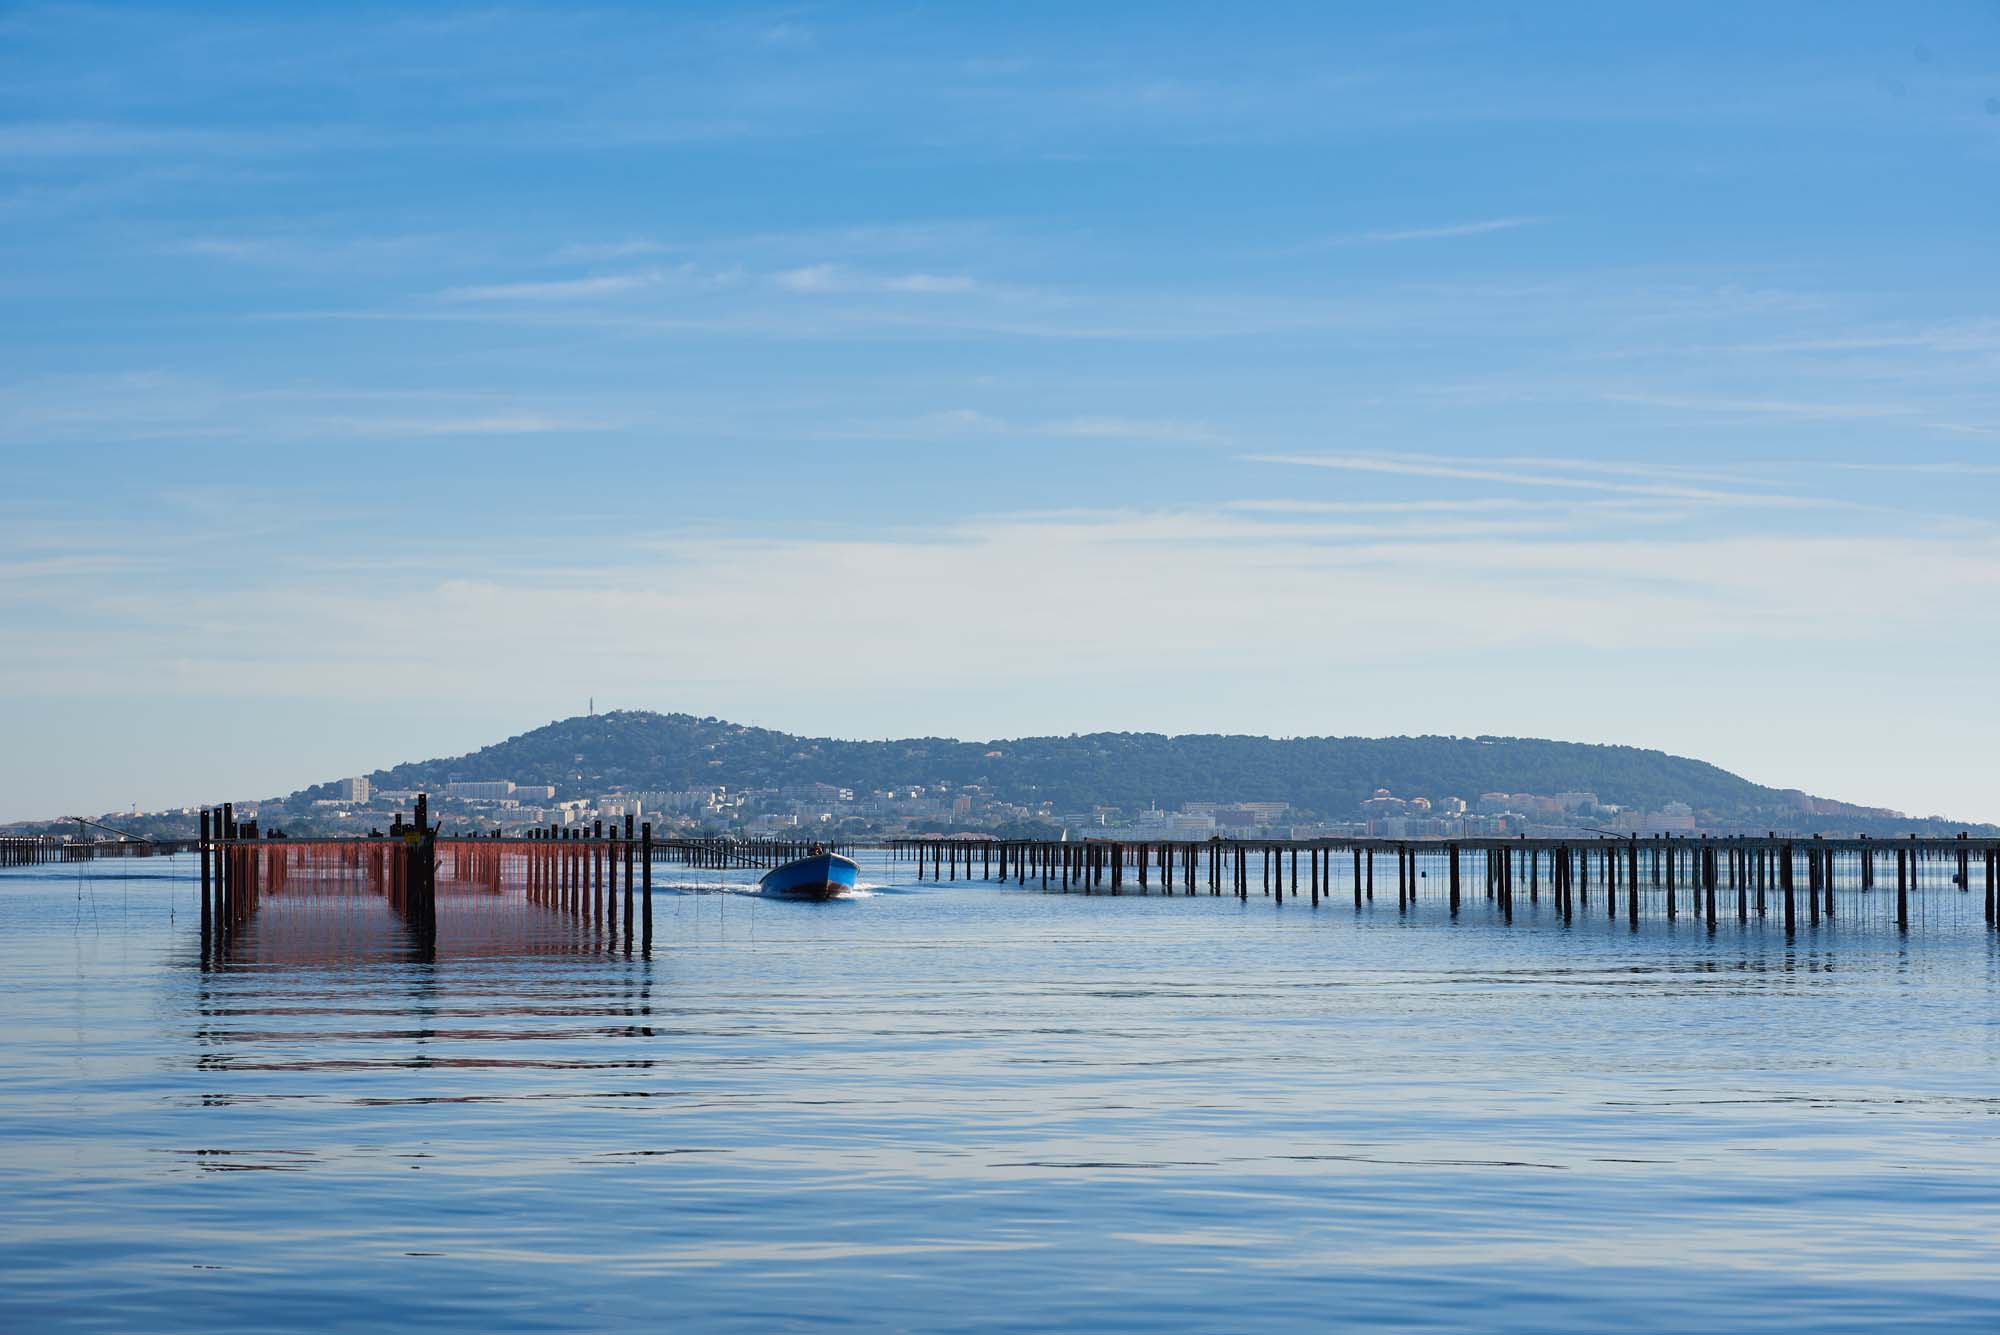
(963, 1107)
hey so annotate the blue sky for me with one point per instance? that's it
(379, 382)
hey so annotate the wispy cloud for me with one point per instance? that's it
(1548, 473)
(786, 36)
(564, 289)
(596, 252)
(1927, 470)
(833, 278)
(1481, 505)
(1156, 429)
(1965, 336)
(91, 139)
(960, 422)
(1445, 232)
(159, 405)
(1796, 408)
(309, 252)
(499, 425)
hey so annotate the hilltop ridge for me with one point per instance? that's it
(1325, 778)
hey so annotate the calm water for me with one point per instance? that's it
(972, 1108)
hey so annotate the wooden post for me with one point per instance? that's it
(646, 870)
(1904, 869)
(1992, 867)
(589, 903)
(225, 868)
(207, 888)
(1632, 885)
(604, 911)
(1708, 877)
(631, 851)
(1785, 885)
(1812, 883)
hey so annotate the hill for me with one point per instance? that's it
(1325, 776)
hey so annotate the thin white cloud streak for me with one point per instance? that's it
(65, 568)
(809, 280)
(1525, 310)
(1447, 232)
(501, 425)
(814, 278)
(597, 252)
(95, 139)
(1485, 471)
(957, 423)
(1804, 410)
(568, 289)
(1614, 468)
(155, 405)
(1484, 505)
(1153, 429)
(1972, 336)
(338, 254)
(1927, 470)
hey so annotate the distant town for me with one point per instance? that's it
(357, 806)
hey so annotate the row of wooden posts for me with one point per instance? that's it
(731, 854)
(1754, 873)
(238, 868)
(32, 850)
(573, 871)
(38, 849)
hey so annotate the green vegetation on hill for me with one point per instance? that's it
(1328, 776)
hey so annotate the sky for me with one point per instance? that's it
(380, 382)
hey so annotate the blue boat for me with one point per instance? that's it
(818, 875)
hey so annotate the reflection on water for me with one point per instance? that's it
(964, 1107)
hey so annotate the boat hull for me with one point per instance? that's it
(821, 876)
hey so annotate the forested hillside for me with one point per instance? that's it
(586, 756)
